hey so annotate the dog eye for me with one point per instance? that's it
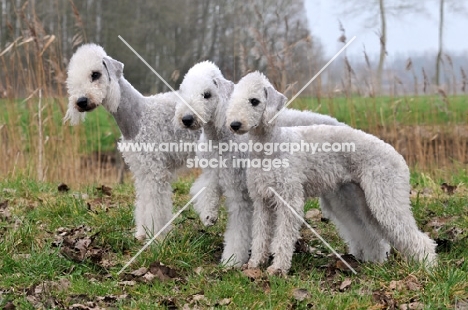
(95, 75)
(254, 101)
(207, 95)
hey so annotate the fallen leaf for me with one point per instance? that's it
(396, 285)
(63, 188)
(111, 298)
(443, 245)
(9, 306)
(449, 189)
(87, 306)
(460, 262)
(384, 299)
(149, 277)
(313, 214)
(224, 302)
(76, 245)
(4, 211)
(345, 284)
(253, 273)
(265, 285)
(139, 272)
(300, 294)
(340, 265)
(198, 297)
(412, 305)
(303, 247)
(461, 304)
(169, 304)
(127, 283)
(412, 283)
(106, 190)
(162, 272)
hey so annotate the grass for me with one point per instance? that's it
(34, 272)
(101, 131)
(367, 113)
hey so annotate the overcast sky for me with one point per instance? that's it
(412, 34)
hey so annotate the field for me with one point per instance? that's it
(64, 248)
(66, 212)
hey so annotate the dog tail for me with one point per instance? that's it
(387, 194)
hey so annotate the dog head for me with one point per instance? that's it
(253, 103)
(205, 93)
(92, 81)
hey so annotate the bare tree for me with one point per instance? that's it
(454, 6)
(378, 12)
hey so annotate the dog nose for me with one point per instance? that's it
(187, 120)
(82, 102)
(236, 125)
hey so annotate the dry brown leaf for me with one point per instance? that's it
(139, 272)
(198, 297)
(162, 272)
(87, 306)
(106, 190)
(448, 189)
(384, 299)
(111, 298)
(253, 273)
(339, 265)
(300, 294)
(412, 305)
(412, 283)
(9, 306)
(149, 277)
(313, 214)
(224, 302)
(63, 188)
(127, 283)
(461, 304)
(345, 284)
(4, 210)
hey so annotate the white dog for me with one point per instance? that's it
(206, 93)
(96, 79)
(374, 165)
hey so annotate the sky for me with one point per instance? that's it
(415, 33)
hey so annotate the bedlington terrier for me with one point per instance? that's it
(207, 92)
(374, 165)
(96, 79)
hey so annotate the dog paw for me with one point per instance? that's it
(273, 271)
(208, 220)
(250, 265)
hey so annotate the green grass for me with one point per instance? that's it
(364, 113)
(101, 131)
(38, 211)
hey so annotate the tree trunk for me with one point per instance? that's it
(441, 33)
(383, 43)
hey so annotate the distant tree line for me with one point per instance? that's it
(172, 35)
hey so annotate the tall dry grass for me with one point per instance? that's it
(34, 142)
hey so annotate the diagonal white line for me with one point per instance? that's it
(159, 232)
(163, 80)
(315, 76)
(313, 231)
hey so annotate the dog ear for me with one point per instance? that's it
(225, 87)
(113, 67)
(274, 98)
